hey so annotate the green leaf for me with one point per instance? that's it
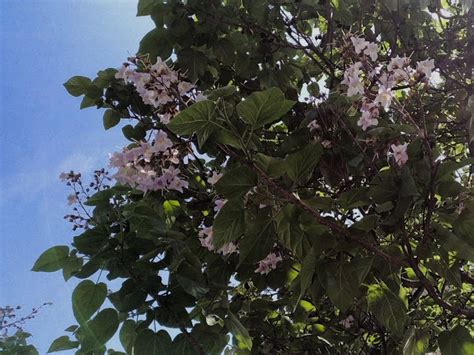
(129, 297)
(301, 164)
(453, 242)
(192, 62)
(87, 102)
(236, 182)
(156, 43)
(239, 332)
(229, 224)
(387, 307)
(289, 230)
(87, 298)
(72, 264)
(151, 343)
(96, 332)
(307, 271)
(341, 284)
(258, 240)
(274, 167)
(62, 343)
(111, 118)
(264, 107)
(457, 341)
(128, 335)
(145, 7)
(52, 259)
(77, 85)
(198, 118)
(417, 342)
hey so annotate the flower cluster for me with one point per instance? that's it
(364, 75)
(206, 239)
(158, 85)
(268, 264)
(377, 84)
(150, 166)
(81, 217)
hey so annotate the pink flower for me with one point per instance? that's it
(206, 238)
(162, 142)
(219, 204)
(400, 153)
(425, 67)
(72, 199)
(367, 120)
(372, 51)
(214, 178)
(124, 72)
(384, 96)
(313, 125)
(269, 263)
(63, 176)
(228, 249)
(359, 44)
(397, 63)
(184, 87)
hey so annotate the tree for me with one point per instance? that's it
(298, 180)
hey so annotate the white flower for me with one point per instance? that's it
(359, 44)
(205, 237)
(268, 264)
(184, 87)
(72, 199)
(162, 142)
(355, 87)
(313, 125)
(372, 51)
(219, 204)
(348, 322)
(124, 72)
(228, 249)
(63, 176)
(165, 118)
(367, 120)
(400, 153)
(425, 67)
(214, 178)
(384, 96)
(397, 62)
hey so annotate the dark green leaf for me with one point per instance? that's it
(229, 224)
(264, 107)
(62, 343)
(111, 118)
(87, 298)
(150, 343)
(239, 332)
(96, 332)
(457, 341)
(52, 259)
(301, 164)
(77, 85)
(236, 182)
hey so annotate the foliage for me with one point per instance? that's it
(291, 180)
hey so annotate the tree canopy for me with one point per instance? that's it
(297, 180)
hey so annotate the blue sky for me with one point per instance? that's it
(42, 132)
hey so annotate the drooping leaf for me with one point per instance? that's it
(387, 307)
(87, 298)
(236, 182)
(457, 341)
(301, 164)
(62, 343)
(264, 107)
(239, 332)
(52, 259)
(111, 118)
(198, 118)
(151, 343)
(77, 85)
(229, 223)
(96, 332)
